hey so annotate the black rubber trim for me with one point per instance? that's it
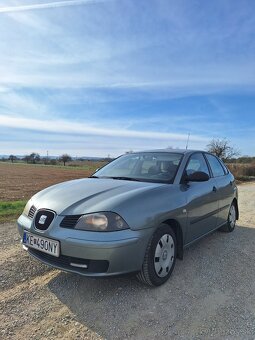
(70, 221)
(63, 261)
(31, 212)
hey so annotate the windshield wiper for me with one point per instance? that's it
(124, 178)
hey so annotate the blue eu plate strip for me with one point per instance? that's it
(24, 237)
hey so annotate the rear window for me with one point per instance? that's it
(216, 167)
(224, 167)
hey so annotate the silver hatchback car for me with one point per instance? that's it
(134, 215)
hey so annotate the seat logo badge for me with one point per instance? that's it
(42, 219)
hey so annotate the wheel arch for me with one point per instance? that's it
(179, 235)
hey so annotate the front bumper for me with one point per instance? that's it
(96, 253)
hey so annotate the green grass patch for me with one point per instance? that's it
(10, 211)
(86, 166)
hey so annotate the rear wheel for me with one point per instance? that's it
(159, 257)
(232, 216)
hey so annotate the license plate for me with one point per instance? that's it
(43, 244)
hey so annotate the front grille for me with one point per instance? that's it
(69, 221)
(43, 219)
(63, 261)
(32, 211)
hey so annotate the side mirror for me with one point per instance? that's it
(198, 176)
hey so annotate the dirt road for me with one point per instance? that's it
(211, 294)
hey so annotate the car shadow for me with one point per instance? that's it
(211, 278)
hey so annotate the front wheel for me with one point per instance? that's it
(160, 256)
(231, 222)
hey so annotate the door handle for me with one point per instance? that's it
(214, 189)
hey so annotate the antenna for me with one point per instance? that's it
(187, 144)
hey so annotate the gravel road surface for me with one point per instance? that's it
(211, 294)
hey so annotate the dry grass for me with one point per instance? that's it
(242, 172)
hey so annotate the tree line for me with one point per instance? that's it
(219, 147)
(35, 158)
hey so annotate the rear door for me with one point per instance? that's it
(225, 187)
(202, 200)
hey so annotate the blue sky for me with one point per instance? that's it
(104, 77)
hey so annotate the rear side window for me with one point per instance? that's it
(197, 163)
(215, 165)
(224, 167)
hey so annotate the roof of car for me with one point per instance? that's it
(182, 151)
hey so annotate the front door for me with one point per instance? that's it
(202, 201)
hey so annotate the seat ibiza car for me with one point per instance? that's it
(136, 214)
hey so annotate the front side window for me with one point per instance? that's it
(146, 166)
(215, 165)
(197, 163)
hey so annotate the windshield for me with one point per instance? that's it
(147, 166)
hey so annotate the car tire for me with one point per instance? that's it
(160, 257)
(231, 222)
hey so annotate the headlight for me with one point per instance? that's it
(106, 221)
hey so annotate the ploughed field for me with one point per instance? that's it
(21, 181)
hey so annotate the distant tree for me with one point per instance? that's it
(222, 149)
(26, 158)
(34, 157)
(65, 158)
(45, 160)
(53, 161)
(12, 158)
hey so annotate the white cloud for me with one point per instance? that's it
(68, 127)
(52, 4)
(53, 78)
(11, 101)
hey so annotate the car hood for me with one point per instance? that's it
(89, 195)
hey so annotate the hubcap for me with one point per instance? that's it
(232, 216)
(164, 255)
